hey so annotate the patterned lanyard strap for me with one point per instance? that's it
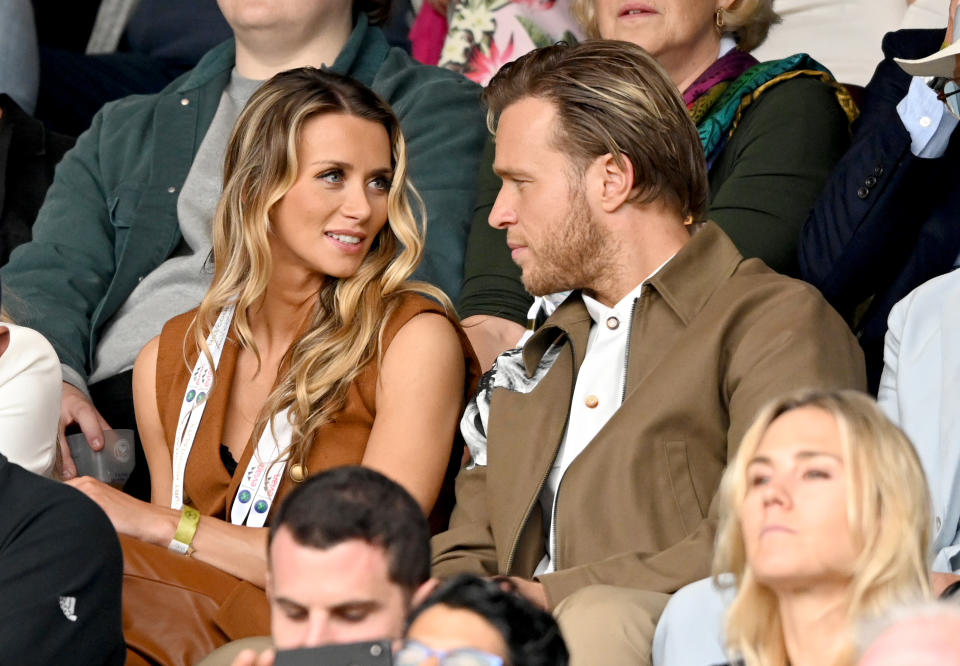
(263, 474)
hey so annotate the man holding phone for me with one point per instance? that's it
(349, 555)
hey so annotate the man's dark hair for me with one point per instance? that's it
(358, 503)
(530, 633)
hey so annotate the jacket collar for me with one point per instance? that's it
(360, 58)
(686, 283)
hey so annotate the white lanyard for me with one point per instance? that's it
(263, 474)
(261, 478)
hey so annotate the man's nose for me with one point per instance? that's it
(317, 632)
(502, 214)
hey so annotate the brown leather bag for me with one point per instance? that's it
(177, 610)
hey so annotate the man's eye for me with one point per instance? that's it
(354, 614)
(295, 614)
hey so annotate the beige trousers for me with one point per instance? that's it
(608, 625)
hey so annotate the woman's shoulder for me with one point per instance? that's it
(179, 324)
(802, 107)
(406, 306)
(808, 89)
(169, 344)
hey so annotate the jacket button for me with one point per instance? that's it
(171, 189)
(870, 181)
(863, 192)
(591, 401)
(184, 101)
(878, 171)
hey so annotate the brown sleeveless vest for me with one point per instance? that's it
(177, 609)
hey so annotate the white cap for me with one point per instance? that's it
(942, 63)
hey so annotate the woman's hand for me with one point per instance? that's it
(129, 515)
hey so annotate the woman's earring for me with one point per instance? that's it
(719, 20)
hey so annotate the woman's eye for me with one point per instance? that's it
(382, 184)
(757, 480)
(816, 474)
(331, 176)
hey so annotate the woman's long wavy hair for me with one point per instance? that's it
(345, 329)
(888, 510)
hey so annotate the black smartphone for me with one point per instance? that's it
(373, 653)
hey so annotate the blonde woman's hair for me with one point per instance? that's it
(345, 329)
(888, 511)
(748, 20)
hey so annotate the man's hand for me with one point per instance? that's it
(75, 407)
(250, 658)
(530, 590)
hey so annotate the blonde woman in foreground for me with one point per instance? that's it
(825, 521)
(311, 350)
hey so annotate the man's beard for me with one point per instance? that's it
(573, 255)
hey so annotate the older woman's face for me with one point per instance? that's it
(673, 31)
(794, 516)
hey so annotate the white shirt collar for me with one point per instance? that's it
(600, 312)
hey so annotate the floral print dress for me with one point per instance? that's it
(484, 35)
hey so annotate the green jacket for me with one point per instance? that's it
(110, 216)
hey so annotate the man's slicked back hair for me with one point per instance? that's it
(613, 97)
(355, 502)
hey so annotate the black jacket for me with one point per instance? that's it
(28, 154)
(887, 221)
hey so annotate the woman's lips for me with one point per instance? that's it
(635, 9)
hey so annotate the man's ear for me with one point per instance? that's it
(616, 180)
(424, 591)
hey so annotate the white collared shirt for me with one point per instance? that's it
(597, 394)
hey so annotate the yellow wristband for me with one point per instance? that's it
(186, 530)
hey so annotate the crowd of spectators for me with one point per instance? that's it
(484, 332)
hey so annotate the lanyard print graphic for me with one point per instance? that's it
(264, 472)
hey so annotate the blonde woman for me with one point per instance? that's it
(310, 351)
(825, 521)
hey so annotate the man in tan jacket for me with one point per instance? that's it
(598, 448)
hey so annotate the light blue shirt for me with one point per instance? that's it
(927, 119)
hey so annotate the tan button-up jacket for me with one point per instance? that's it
(713, 338)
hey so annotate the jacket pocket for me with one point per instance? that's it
(123, 205)
(681, 482)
